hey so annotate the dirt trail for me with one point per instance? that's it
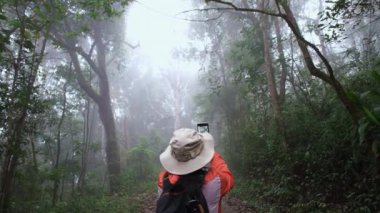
(235, 205)
(229, 205)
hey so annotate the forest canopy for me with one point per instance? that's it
(290, 89)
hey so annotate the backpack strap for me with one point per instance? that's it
(184, 196)
(166, 183)
(173, 189)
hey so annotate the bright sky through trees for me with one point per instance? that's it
(154, 25)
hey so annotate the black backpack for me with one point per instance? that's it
(183, 197)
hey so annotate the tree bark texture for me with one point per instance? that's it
(177, 102)
(58, 153)
(87, 134)
(265, 27)
(329, 78)
(283, 66)
(17, 117)
(106, 115)
(102, 99)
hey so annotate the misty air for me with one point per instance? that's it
(189, 106)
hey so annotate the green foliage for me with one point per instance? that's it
(368, 99)
(31, 105)
(319, 172)
(108, 8)
(339, 14)
(246, 59)
(140, 161)
(96, 203)
(325, 167)
(133, 185)
(142, 168)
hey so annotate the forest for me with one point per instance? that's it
(290, 90)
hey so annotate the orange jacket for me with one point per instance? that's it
(218, 182)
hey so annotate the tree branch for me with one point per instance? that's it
(92, 49)
(328, 78)
(81, 80)
(131, 45)
(60, 40)
(244, 9)
(205, 10)
(298, 35)
(87, 57)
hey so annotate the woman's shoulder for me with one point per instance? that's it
(172, 178)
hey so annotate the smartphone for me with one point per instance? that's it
(203, 127)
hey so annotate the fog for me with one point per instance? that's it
(162, 41)
(91, 92)
(177, 52)
(155, 26)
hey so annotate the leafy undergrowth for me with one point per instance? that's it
(233, 204)
(241, 192)
(122, 202)
(133, 196)
(101, 204)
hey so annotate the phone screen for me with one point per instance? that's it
(203, 127)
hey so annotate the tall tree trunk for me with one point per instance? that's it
(87, 131)
(275, 98)
(177, 85)
(265, 26)
(106, 115)
(102, 99)
(329, 78)
(12, 152)
(112, 148)
(103, 102)
(33, 188)
(125, 132)
(8, 169)
(222, 60)
(16, 123)
(177, 102)
(63, 182)
(58, 153)
(62, 190)
(280, 49)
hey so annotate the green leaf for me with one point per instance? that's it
(371, 116)
(376, 76)
(15, 23)
(362, 130)
(28, 44)
(365, 94)
(375, 94)
(353, 97)
(375, 148)
(85, 28)
(2, 17)
(72, 34)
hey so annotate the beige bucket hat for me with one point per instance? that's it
(188, 151)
